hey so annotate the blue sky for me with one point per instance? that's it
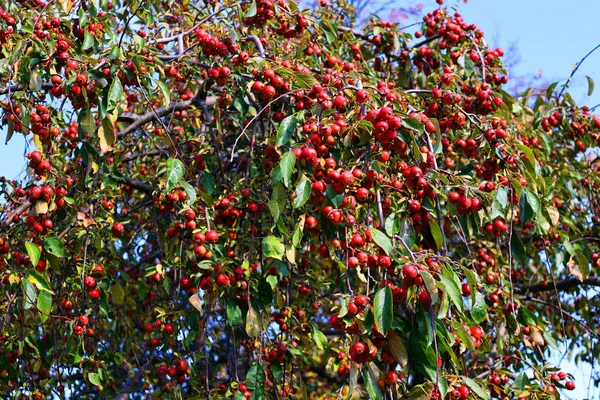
(550, 36)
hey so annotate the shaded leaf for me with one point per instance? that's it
(407, 232)
(254, 325)
(397, 348)
(29, 294)
(383, 309)
(117, 294)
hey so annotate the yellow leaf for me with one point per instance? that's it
(66, 5)
(253, 323)
(196, 302)
(397, 348)
(117, 294)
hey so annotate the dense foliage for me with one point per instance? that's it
(245, 199)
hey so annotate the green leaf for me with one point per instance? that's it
(479, 309)
(251, 12)
(286, 129)
(34, 253)
(590, 85)
(320, 338)
(29, 294)
(254, 325)
(371, 384)
(191, 192)
(38, 279)
(302, 193)
(304, 80)
(234, 313)
(520, 382)
(464, 336)
(436, 232)
(407, 232)
(500, 203)
(518, 249)
(474, 386)
(10, 131)
(94, 379)
(273, 248)
(413, 124)
(287, 163)
(86, 121)
(533, 200)
(88, 40)
(383, 309)
(44, 304)
(208, 183)
(165, 91)
(452, 289)
(54, 246)
(392, 225)
(114, 94)
(382, 240)
(175, 171)
(117, 294)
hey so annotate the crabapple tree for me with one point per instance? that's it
(245, 199)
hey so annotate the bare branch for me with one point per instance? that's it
(563, 285)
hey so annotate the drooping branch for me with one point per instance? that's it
(560, 285)
(17, 211)
(136, 121)
(19, 87)
(139, 185)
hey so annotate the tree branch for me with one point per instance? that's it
(139, 185)
(561, 285)
(19, 87)
(18, 211)
(137, 121)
